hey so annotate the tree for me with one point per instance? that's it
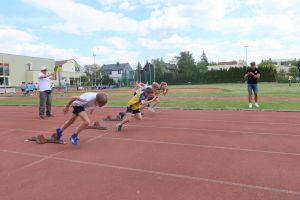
(298, 65)
(293, 71)
(84, 80)
(202, 67)
(187, 67)
(204, 59)
(138, 73)
(160, 69)
(267, 63)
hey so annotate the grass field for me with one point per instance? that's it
(231, 96)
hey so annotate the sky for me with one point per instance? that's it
(140, 30)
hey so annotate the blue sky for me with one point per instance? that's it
(139, 30)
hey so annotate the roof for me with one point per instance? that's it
(116, 67)
(228, 63)
(60, 62)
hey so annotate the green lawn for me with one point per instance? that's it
(120, 97)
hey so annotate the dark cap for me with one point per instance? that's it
(252, 63)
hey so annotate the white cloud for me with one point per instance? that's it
(127, 6)
(12, 34)
(80, 18)
(107, 54)
(20, 42)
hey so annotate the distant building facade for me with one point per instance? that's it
(121, 73)
(70, 71)
(226, 65)
(15, 69)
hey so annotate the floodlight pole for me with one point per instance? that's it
(246, 47)
(95, 66)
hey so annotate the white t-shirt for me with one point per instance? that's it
(141, 89)
(86, 100)
(44, 83)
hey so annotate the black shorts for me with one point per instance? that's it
(129, 110)
(77, 109)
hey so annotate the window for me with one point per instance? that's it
(120, 72)
(6, 69)
(2, 81)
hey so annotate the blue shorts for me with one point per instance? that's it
(129, 110)
(252, 87)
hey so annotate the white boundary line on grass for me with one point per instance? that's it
(166, 174)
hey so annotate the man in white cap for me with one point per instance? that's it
(44, 80)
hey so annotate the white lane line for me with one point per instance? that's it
(197, 120)
(5, 131)
(214, 130)
(230, 121)
(204, 146)
(160, 173)
(55, 154)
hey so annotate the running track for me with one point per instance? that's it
(171, 154)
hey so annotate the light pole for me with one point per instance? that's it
(95, 66)
(246, 47)
(154, 71)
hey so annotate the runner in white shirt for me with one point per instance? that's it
(89, 100)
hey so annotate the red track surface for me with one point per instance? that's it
(171, 154)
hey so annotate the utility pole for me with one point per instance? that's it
(246, 47)
(154, 71)
(95, 67)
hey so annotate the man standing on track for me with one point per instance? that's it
(44, 80)
(252, 75)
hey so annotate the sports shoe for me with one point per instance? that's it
(151, 109)
(42, 117)
(122, 115)
(50, 115)
(256, 105)
(119, 127)
(58, 133)
(74, 139)
(250, 105)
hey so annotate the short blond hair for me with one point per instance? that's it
(101, 98)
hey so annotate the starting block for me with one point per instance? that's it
(96, 125)
(109, 118)
(40, 139)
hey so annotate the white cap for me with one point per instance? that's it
(43, 68)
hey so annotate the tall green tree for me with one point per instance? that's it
(298, 65)
(138, 73)
(204, 59)
(160, 69)
(293, 71)
(187, 67)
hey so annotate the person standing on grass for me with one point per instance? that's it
(252, 76)
(44, 80)
(66, 87)
(290, 80)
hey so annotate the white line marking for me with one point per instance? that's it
(55, 154)
(230, 121)
(215, 130)
(173, 175)
(205, 146)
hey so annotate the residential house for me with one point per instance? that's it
(70, 71)
(121, 73)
